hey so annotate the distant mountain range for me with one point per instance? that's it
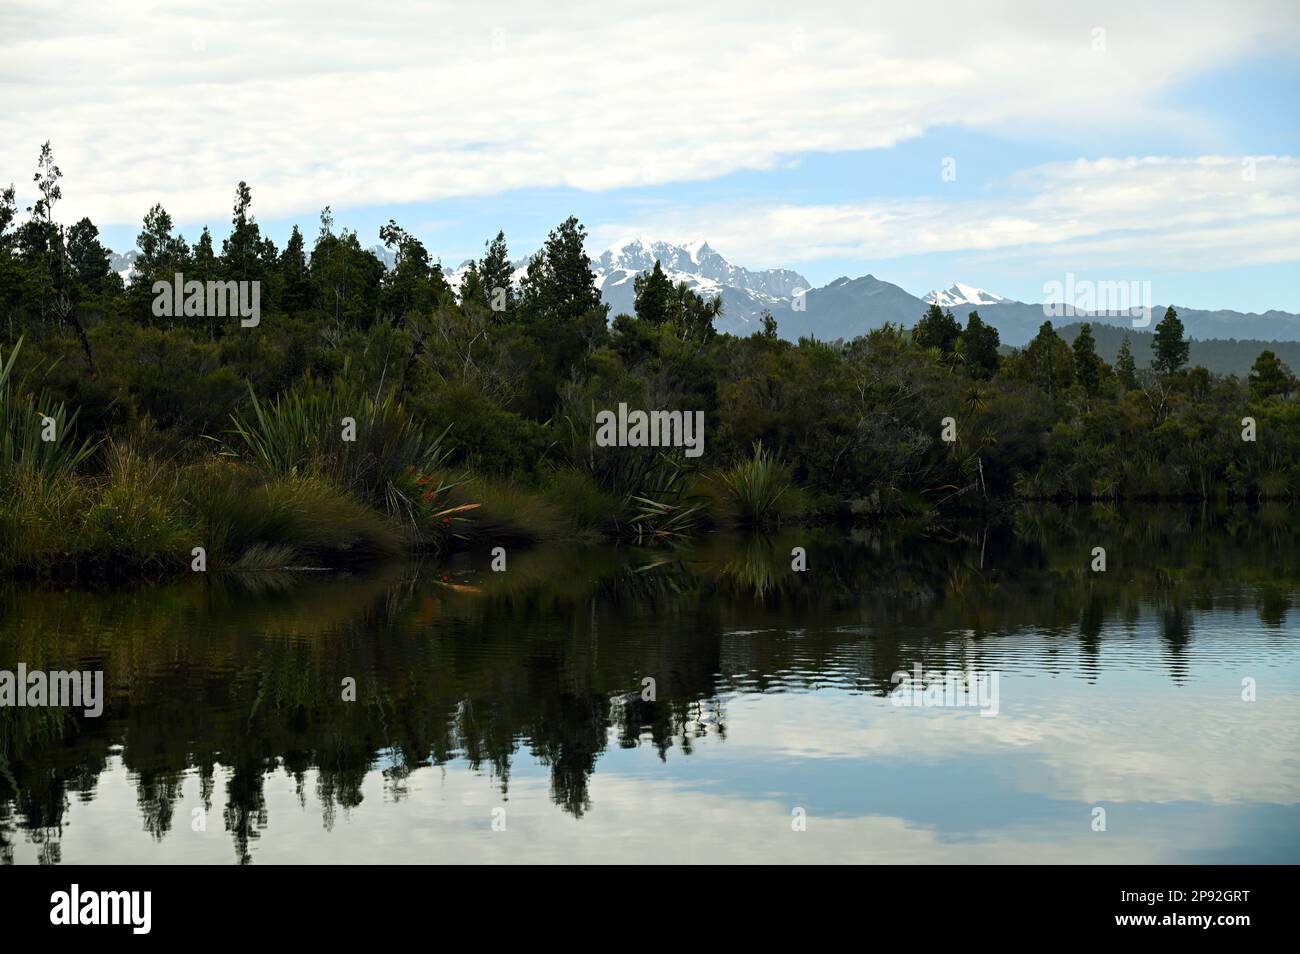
(847, 307)
(745, 294)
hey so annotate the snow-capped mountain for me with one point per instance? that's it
(745, 294)
(124, 264)
(960, 294)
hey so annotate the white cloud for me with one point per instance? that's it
(1185, 213)
(446, 814)
(1124, 747)
(331, 102)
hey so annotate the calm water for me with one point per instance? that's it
(522, 691)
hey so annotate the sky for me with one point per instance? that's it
(1003, 145)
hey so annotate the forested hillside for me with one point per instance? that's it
(1222, 356)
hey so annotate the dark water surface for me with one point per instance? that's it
(517, 697)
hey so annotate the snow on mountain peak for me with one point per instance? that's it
(746, 294)
(697, 248)
(697, 264)
(959, 294)
(641, 241)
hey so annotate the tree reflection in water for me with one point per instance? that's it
(239, 677)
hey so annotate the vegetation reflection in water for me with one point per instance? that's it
(236, 679)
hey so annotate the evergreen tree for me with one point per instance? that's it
(1270, 377)
(8, 210)
(413, 285)
(160, 251)
(560, 284)
(10, 273)
(1051, 365)
(937, 329)
(1125, 366)
(47, 183)
(980, 344)
(89, 259)
(293, 274)
(203, 265)
(346, 278)
(472, 291)
(204, 255)
(242, 248)
(41, 239)
(56, 287)
(1087, 365)
(1171, 349)
(652, 292)
(494, 272)
(162, 255)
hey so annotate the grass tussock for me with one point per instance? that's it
(509, 512)
(37, 434)
(144, 517)
(667, 509)
(589, 509)
(252, 520)
(368, 445)
(757, 491)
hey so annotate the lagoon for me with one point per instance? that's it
(685, 705)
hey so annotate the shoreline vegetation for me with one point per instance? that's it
(372, 411)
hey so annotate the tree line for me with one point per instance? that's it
(508, 376)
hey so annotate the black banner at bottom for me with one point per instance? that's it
(135, 904)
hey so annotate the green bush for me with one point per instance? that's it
(756, 491)
(487, 438)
